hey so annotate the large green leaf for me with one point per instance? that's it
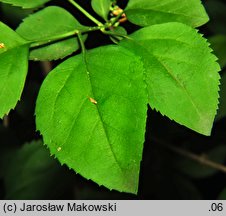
(26, 3)
(33, 174)
(48, 23)
(101, 7)
(181, 73)
(92, 116)
(14, 15)
(13, 68)
(149, 12)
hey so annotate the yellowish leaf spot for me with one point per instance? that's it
(59, 149)
(2, 45)
(92, 100)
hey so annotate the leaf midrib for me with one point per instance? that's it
(100, 116)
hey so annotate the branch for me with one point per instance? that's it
(202, 159)
(6, 121)
(63, 36)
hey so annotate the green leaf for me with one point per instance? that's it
(218, 43)
(55, 51)
(13, 14)
(92, 116)
(181, 73)
(149, 12)
(13, 68)
(48, 23)
(101, 7)
(26, 3)
(197, 170)
(221, 113)
(33, 174)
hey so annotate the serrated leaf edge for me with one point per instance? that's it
(23, 7)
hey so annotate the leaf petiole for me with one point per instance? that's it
(116, 34)
(82, 44)
(115, 19)
(88, 15)
(63, 36)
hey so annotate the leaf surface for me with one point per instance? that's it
(101, 7)
(26, 3)
(181, 73)
(92, 116)
(14, 15)
(149, 12)
(13, 68)
(48, 23)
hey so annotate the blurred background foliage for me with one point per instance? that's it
(177, 162)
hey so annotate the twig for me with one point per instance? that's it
(6, 121)
(46, 67)
(202, 159)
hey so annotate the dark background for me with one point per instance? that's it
(165, 174)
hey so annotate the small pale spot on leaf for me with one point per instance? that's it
(59, 149)
(92, 100)
(2, 45)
